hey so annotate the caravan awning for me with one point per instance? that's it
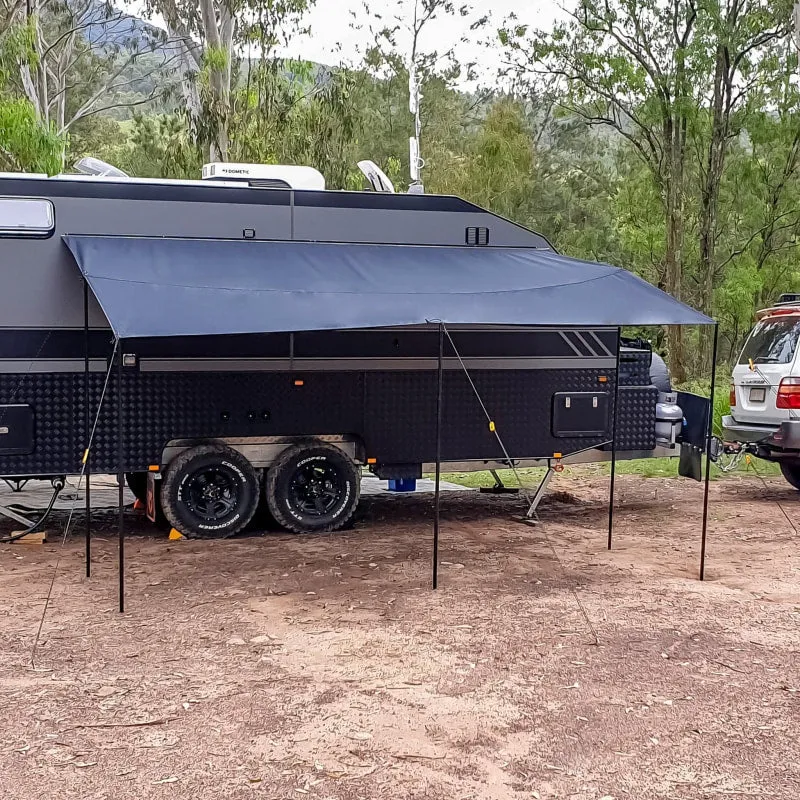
(150, 287)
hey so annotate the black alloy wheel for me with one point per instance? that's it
(210, 491)
(312, 486)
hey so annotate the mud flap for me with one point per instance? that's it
(690, 464)
(150, 508)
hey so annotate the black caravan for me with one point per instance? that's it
(273, 341)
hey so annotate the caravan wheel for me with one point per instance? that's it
(312, 487)
(210, 491)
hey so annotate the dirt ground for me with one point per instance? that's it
(281, 666)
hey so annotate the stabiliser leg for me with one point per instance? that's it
(499, 487)
(531, 515)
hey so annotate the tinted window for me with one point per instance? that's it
(772, 341)
(26, 216)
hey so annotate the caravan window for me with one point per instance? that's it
(26, 216)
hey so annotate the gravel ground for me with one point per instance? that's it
(282, 666)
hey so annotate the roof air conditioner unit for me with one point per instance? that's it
(265, 176)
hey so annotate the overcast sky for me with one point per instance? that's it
(333, 38)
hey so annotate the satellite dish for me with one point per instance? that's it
(376, 177)
(94, 166)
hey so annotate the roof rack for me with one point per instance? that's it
(788, 299)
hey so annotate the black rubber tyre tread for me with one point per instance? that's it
(137, 483)
(275, 496)
(792, 473)
(170, 485)
(659, 373)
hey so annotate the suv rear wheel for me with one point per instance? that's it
(791, 471)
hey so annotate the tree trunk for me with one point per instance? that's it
(218, 38)
(673, 217)
(674, 275)
(715, 164)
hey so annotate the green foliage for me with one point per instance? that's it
(26, 145)
(160, 146)
(215, 58)
(313, 105)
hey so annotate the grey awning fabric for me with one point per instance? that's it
(151, 287)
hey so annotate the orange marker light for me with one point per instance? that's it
(153, 468)
(603, 379)
(372, 461)
(299, 383)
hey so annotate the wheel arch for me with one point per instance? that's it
(263, 451)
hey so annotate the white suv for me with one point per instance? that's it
(765, 389)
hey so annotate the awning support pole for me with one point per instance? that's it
(614, 441)
(439, 388)
(87, 428)
(120, 481)
(709, 434)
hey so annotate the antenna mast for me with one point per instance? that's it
(416, 162)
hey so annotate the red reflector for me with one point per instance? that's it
(788, 393)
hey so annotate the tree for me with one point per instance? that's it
(300, 113)
(739, 40)
(26, 145)
(625, 64)
(208, 35)
(675, 80)
(74, 58)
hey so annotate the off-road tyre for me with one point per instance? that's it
(210, 492)
(312, 473)
(791, 471)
